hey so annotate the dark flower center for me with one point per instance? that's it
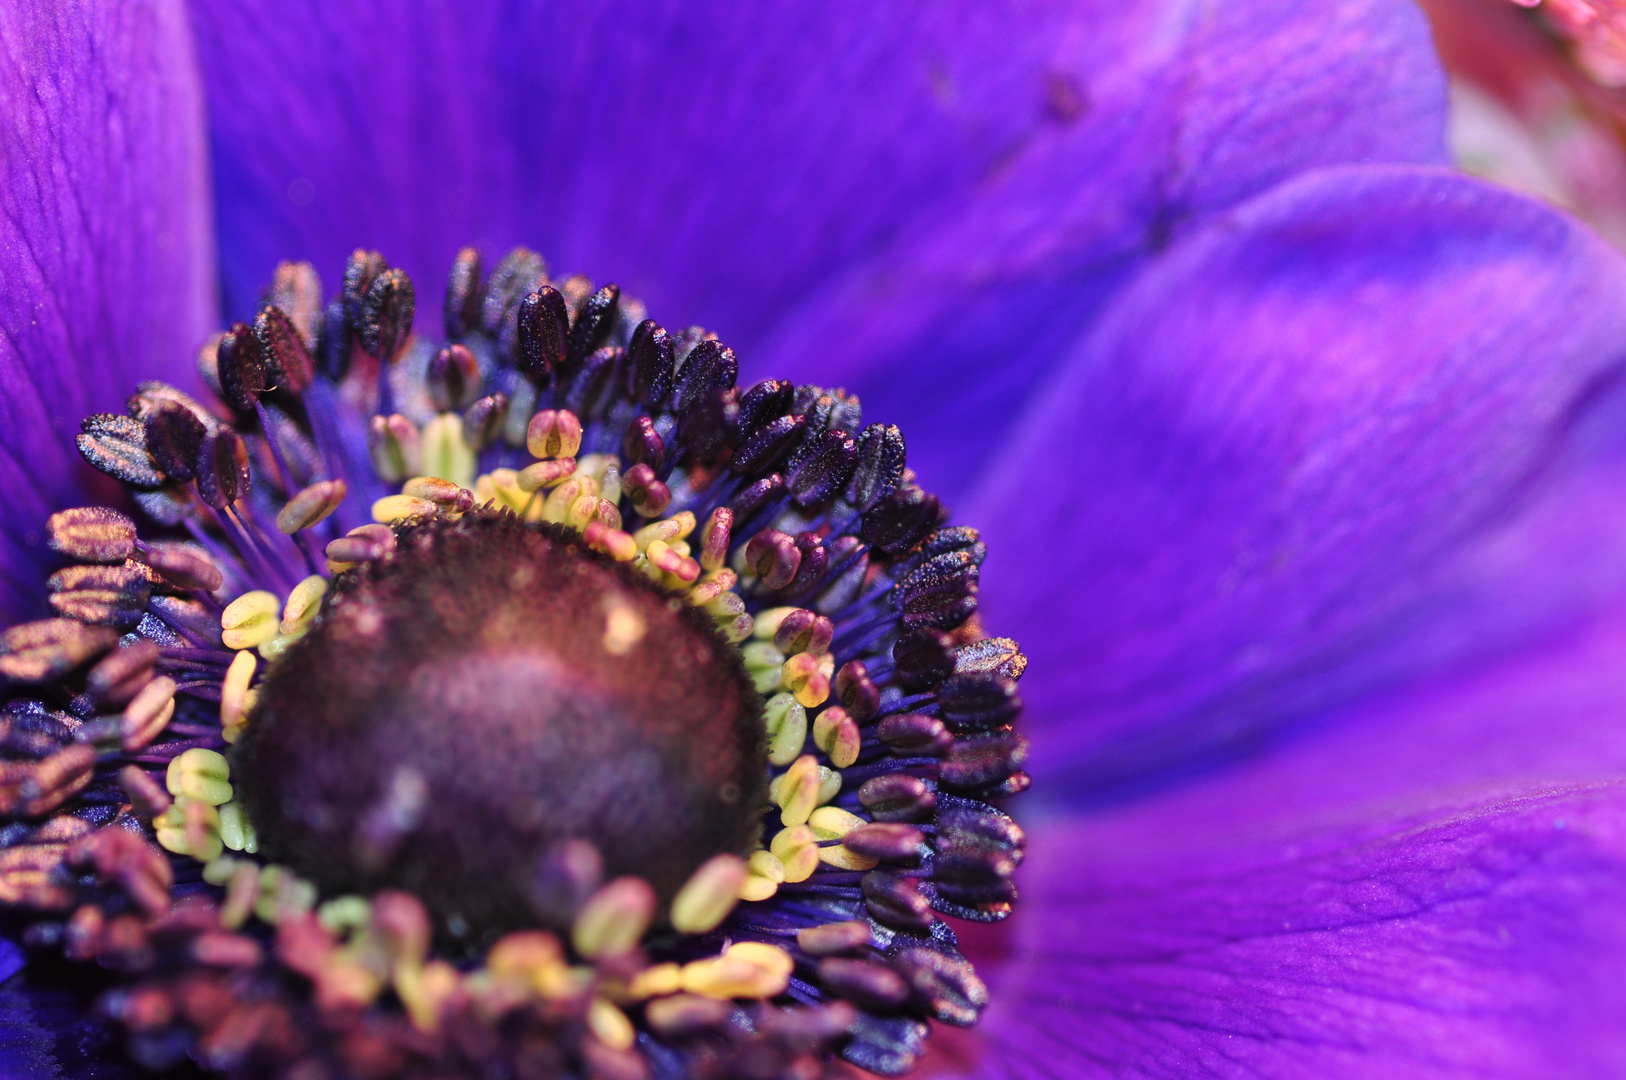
(669, 698)
(489, 692)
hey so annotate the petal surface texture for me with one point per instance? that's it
(1325, 446)
(51, 1030)
(1429, 886)
(106, 254)
(863, 195)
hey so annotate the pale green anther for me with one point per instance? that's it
(613, 920)
(395, 447)
(303, 603)
(581, 512)
(709, 895)
(343, 914)
(767, 624)
(667, 530)
(829, 784)
(787, 728)
(234, 697)
(443, 493)
(609, 484)
(170, 827)
(837, 735)
(761, 654)
(241, 892)
(805, 676)
(557, 508)
(505, 484)
(726, 606)
(763, 663)
(544, 474)
(764, 863)
(797, 791)
(281, 893)
(704, 593)
(802, 787)
(591, 465)
(610, 514)
(201, 775)
(833, 823)
(310, 506)
(269, 877)
(521, 403)
(393, 508)
(660, 554)
(646, 568)
(236, 831)
(250, 620)
(798, 850)
(735, 630)
(278, 645)
(446, 453)
(220, 870)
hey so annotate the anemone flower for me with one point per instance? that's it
(607, 713)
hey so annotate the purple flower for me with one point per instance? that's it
(1297, 455)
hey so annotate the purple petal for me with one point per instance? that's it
(710, 158)
(1333, 441)
(49, 1028)
(1483, 945)
(106, 258)
(1431, 886)
(725, 161)
(948, 327)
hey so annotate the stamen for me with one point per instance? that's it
(42, 651)
(797, 849)
(614, 919)
(747, 969)
(250, 620)
(148, 713)
(707, 898)
(554, 434)
(538, 667)
(832, 939)
(200, 775)
(311, 506)
(91, 534)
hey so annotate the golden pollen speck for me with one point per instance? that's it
(624, 628)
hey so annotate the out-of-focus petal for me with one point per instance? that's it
(717, 159)
(106, 256)
(369, 124)
(1340, 438)
(727, 163)
(1429, 887)
(950, 326)
(50, 1030)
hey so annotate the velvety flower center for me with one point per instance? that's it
(534, 691)
(489, 692)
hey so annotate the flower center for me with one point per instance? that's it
(493, 690)
(668, 698)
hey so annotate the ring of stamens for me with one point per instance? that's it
(886, 714)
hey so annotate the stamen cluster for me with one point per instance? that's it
(340, 441)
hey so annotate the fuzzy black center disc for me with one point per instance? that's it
(491, 690)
